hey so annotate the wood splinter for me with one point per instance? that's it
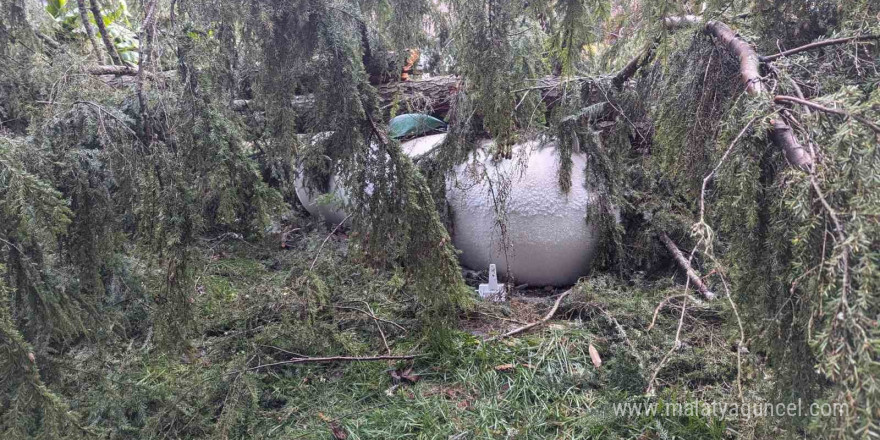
(683, 262)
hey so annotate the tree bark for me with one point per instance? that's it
(748, 59)
(113, 70)
(84, 16)
(430, 95)
(99, 21)
(673, 23)
(781, 134)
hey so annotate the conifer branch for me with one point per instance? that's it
(779, 99)
(332, 359)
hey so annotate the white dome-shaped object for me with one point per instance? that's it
(549, 239)
(330, 205)
(419, 146)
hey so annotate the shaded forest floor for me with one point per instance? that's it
(258, 304)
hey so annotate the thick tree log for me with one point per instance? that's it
(683, 263)
(430, 95)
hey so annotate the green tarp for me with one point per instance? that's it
(413, 124)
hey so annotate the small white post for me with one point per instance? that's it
(492, 291)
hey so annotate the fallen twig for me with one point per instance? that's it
(536, 323)
(378, 318)
(379, 326)
(742, 333)
(675, 345)
(501, 318)
(622, 333)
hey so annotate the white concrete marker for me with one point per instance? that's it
(492, 291)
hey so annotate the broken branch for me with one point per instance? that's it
(748, 59)
(782, 135)
(683, 263)
(108, 43)
(318, 254)
(113, 70)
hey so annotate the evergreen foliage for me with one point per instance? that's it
(110, 184)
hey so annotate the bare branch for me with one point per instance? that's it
(783, 136)
(318, 254)
(146, 36)
(84, 17)
(692, 275)
(818, 44)
(748, 59)
(791, 99)
(113, 70)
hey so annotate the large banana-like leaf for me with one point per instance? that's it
(55, 7)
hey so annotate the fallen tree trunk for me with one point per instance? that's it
(434, 95)
(429, 95)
